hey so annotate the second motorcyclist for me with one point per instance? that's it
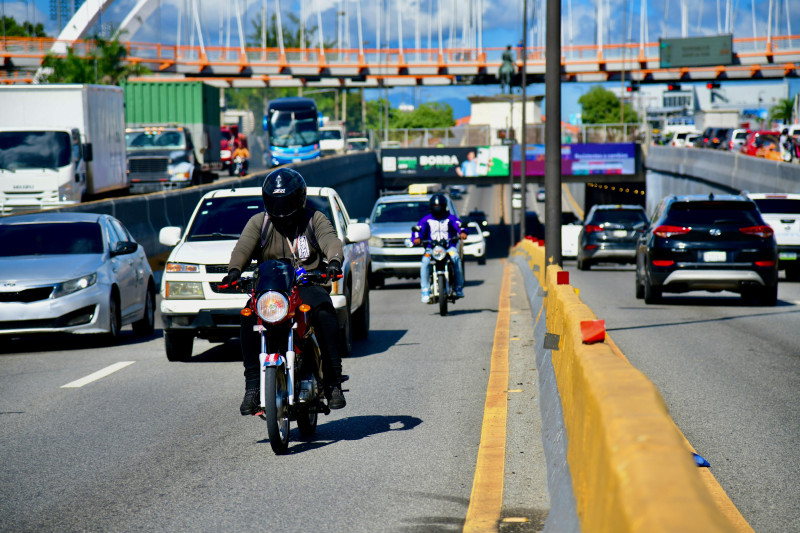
(290, 230)
(439, 224)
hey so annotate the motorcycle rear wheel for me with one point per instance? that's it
(276, 410)
(307, 422)
(443, 295)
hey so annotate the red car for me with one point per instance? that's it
(755, 139)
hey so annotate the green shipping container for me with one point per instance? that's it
(194, 105)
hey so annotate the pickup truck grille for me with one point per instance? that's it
(149, 165)
(223, 269)
(394, 243)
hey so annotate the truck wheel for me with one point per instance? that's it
(345, 331)
(178, 345)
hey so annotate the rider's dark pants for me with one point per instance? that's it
(326, 329)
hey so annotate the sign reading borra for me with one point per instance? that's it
(696, 51)
(455, 162)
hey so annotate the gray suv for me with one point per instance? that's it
(390, 225)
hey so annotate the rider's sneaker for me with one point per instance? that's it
(426, 296)
(459, 293)
(336, 399)
(250, 403)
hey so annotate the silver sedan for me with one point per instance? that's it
(72, 273)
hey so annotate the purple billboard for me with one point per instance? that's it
(581, 159)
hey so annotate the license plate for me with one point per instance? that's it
(714, 257)
(787, 256)
(297, 160)
(620, 233)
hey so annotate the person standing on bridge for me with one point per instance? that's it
(290, 230)
(507, 70)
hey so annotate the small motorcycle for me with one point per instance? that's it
(442, 275)
(291, 364)
(239, 166)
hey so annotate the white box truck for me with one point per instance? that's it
(60, 143)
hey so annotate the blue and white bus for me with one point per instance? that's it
(292, 127)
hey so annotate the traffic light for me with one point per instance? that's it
(633, 87)
(674, 87)
(712, 85)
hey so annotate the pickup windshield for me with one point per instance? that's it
(155, 140)
(34, 149)
(400, 212)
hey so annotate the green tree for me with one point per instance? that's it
(104, 64)
(428, 115)
(782, 111)
(11, 28)
(600, 106)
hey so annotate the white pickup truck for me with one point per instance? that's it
(192, 305)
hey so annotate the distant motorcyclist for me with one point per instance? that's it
(290, 230)
(241, 151)
(439, 224)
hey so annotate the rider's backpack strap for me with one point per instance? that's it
(264, 230)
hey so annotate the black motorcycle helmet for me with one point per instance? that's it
(284, 195)
(439, 208)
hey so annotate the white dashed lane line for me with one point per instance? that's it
(97, 375)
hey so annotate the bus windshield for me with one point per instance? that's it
(293, 128)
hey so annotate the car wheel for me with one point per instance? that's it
(793, 273)
(652, 294)
(376, 280)
(345, 331)
(145, 326)
(361, 317)
(769, 296)
(639, 287)
(178, 345)
(584, 264)
(482, 260)
(114, 320)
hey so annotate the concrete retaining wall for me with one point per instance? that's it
(630, 468)
(733, 170)
(353, 176)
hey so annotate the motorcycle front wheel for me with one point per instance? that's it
(276, 410)
(443, 295)
(307, 422)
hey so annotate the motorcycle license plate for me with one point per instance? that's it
(714, 257)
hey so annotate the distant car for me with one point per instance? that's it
(475, 243)
(691, 140)
(540, 194)
(735, 139)
(332, 140)
(357, 144)
(457, 191)
(476, 215)
(680, 137)
(782, 213)
(192, 303)
(391, 221)
(609, 234)
(755, 139)
(571, 227)
(711, 243)
(73, 273)
(533, 226)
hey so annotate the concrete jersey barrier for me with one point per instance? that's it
(631, 468)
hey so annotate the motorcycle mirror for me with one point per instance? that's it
(408, 243)
(416, 229)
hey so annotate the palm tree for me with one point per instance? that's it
(782, 111)
(105, 64)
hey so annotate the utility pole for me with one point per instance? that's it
(552, 130)
(524, 148)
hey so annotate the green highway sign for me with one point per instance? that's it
(696, 51)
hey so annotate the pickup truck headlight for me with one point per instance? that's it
(184, 290)
(377, 242)
(182, 268)
(74, 285)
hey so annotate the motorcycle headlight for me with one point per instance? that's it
(377, 242)
(74, 285)
(439, 252)
(272, 306)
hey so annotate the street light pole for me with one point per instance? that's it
(552, 180)
(524, 148)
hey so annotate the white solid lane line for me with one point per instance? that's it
(97, 375)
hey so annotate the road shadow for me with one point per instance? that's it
(229, 351)
(349, 429)
(56, 342)
(379, 341)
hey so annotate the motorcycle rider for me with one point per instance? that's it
(241, 151)
(290, 230)
(439, 224)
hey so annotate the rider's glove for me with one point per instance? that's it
(334, 270)
(231, 277)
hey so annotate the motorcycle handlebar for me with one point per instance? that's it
(315, 276)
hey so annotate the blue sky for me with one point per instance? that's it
(501, 23)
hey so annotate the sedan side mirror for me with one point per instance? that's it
(124, 248)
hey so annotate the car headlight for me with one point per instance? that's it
(74, 285)
(272, 306)
(183, 290)
(376, 242)
(182, 268)
(439, 252)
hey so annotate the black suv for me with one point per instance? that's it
(609, 234)
(710, 243)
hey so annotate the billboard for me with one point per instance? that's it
(581, 159)
(438, 163)
(696, 51)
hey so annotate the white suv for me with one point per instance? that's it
(192, 305)
(782, 213)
